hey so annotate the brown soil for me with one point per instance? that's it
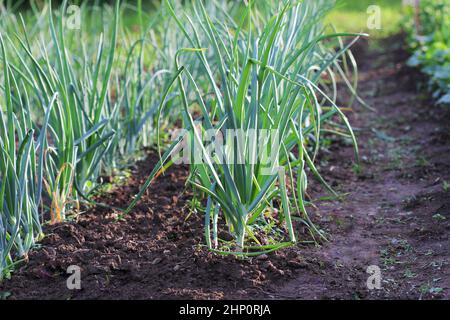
(396, 216)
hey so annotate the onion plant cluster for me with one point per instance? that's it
(271, 72)
(74, 103)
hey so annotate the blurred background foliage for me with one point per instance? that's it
(351, 16)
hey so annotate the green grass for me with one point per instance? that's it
(351, 16)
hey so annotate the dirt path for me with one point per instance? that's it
(396, 216)
(397, 213)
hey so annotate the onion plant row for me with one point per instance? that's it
(77, 103)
